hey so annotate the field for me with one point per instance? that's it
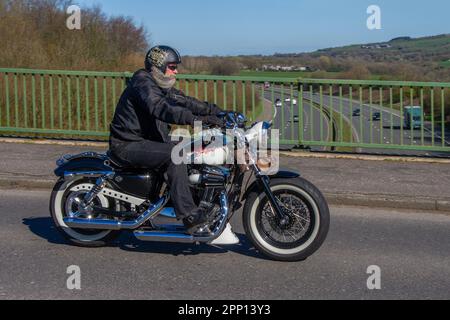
(445, 64)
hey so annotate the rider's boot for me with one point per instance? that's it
(198, 217)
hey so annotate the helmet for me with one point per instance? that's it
(160, 57)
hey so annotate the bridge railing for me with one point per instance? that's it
(343, 115)
(58, 103)
(68, 104)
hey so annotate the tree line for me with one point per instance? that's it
(34, 35)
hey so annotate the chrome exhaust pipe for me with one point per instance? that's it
(161, 236)
(173, 233)
(106, 224)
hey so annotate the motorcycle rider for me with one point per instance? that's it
(139, 132)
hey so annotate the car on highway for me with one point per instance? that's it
(278, 103)
(296, 118)
(376, 116)
(356, 112)
(294, 101)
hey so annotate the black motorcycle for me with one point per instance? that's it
(285, 217)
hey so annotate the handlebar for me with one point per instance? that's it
(233, 119)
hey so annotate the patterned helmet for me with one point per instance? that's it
(160, 57)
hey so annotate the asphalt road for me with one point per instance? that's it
(410, 248)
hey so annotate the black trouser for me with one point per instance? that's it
(155, 155)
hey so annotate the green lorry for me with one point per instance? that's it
(413, 117)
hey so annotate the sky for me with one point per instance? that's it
(234, 27)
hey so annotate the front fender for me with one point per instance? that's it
(282, 174)
(285, 175)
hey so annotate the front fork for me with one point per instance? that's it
(264, 181)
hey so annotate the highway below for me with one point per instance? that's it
(388, 130)
(411, 249)
(287, 117)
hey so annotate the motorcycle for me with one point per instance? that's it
(285, 217)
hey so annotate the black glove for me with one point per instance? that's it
(213, 120)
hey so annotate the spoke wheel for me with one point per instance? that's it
(308, 220)
(300, 220)
(65, 202)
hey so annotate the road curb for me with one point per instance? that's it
(295, 154)
(24, 183)
(379, 201)
(55, 142)
(361, 200)
(304, 154)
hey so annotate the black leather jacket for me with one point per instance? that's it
(145, 111)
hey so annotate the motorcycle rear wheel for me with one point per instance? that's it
(59, 207)
(309, 220)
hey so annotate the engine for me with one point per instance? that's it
(208, 182)
(207, 176)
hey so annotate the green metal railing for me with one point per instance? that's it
(58, 103)
(374, 114)
(318, 113)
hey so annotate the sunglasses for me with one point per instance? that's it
(173, 67)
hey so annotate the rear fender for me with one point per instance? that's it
(82, 164)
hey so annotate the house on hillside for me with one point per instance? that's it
(376, 46)
(285, 68)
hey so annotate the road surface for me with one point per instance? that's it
(410, 248)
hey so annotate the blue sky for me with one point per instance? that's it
(230, 27)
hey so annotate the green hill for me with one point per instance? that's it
(426, 49)
(402, 58)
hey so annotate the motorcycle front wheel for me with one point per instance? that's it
(308, 216)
